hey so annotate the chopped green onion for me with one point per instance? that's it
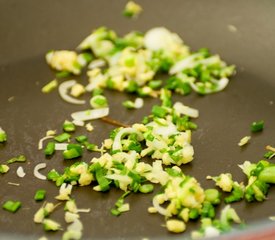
(213, 196)
(71, 153)
(76, 146)
(68, 126)
(98, 101)
(91, 146)
(115, 212)
(159, 111)
(63, 74)
(97, 91)
(62, 137)
(193, 213)
(19, 158)
(86, 56)
(100, 173)
(257, 126)
(269, 154)
(4, 168)
(132, 86)
(129, 104)
(120, 205)
(166, 97)
(3, 136)
(81, 138)
(132, 9)
(155, 84)
(53, 175)
(40, 195)
(146, 188)
(50, 149)
(50, 86)
(208, 211)
(11, 206)
(50, 225)
(244, 141)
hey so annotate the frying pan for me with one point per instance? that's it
(29, 28)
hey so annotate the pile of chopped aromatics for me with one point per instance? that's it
(131, 64)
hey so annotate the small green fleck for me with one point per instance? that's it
(257, 126)
(40, 195)
(11, 206)
(146, 188)
(50, 149)
(19, 158)
(62, 137)
(50, 86)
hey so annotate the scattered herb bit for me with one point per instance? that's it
(50, 225)
(62, 137)
(244, 141)
(98, 101)
(138, 103)
(132, 9)
(129, 104)
(271, 152)
(68, 126)
(71, 153)
(91, 147)
(40, 195)
(215, 227)
(237, 193)
(50, 86)
(11, 206)
(81, 138)
(63, 74)
(213, 196)
(146, 188)
(257, 126)
(19, 158)
(50, 149)
(4, 168)
(120, 206)
(3, 136)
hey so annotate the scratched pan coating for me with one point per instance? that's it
(29, 28)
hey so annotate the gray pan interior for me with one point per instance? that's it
(29, 28)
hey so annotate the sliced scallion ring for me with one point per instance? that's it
(63, 91)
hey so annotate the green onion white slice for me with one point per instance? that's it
(40, 143)
(36, 170)
(64, 89)
(20, 172)
(90, 114)
(61, 146)
(185, 110)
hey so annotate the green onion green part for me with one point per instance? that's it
(3, 136)
(50, 86)
(50, 149)
(4, 168)
(146, 188)
(11, 206)
(40, 195)
(19, 158)
(68, 126)
(257, 126)
(62, 137)
(81, 138)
